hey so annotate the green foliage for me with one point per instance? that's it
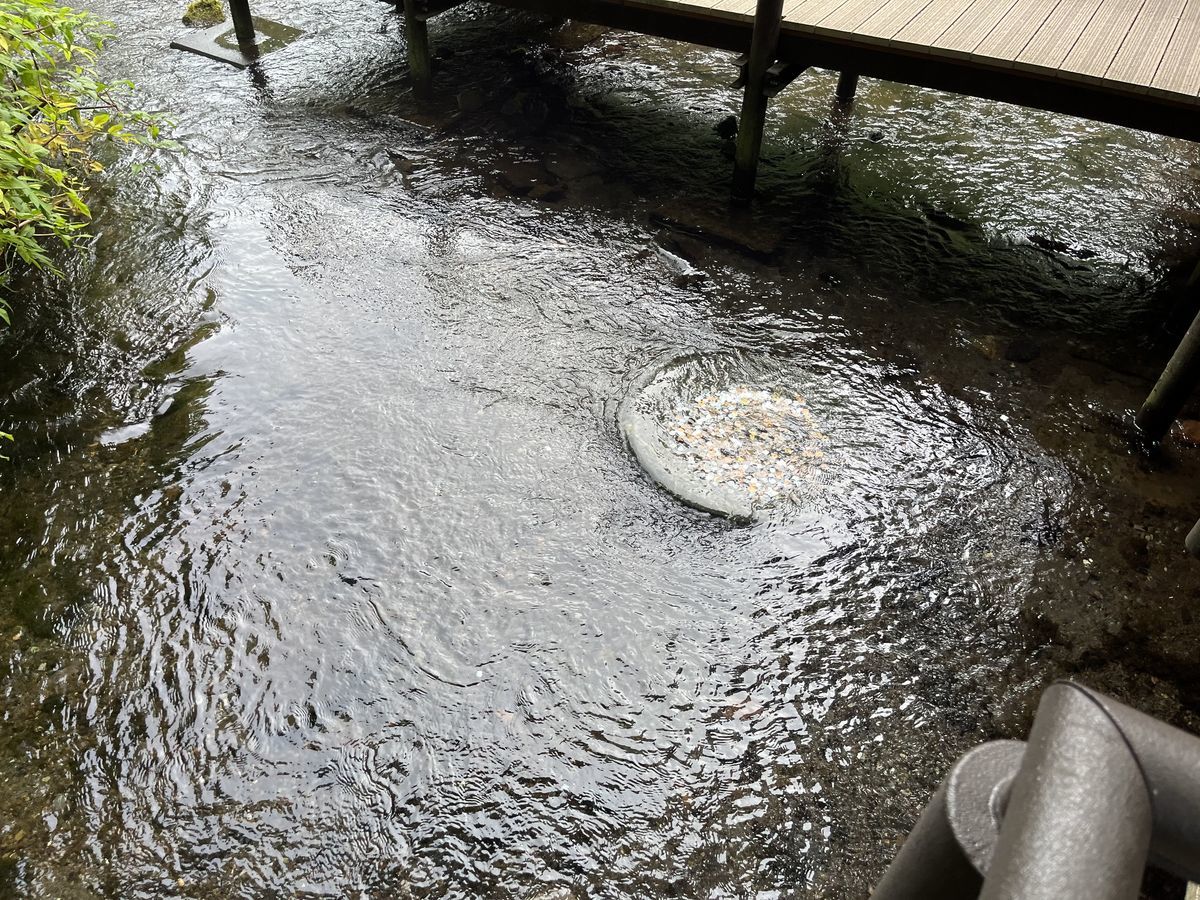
(53, 114)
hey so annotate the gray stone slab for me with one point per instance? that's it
(221, 44)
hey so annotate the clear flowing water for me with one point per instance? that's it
(326, 571)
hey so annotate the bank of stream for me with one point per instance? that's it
(328, 573)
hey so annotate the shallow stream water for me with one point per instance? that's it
(327, 572)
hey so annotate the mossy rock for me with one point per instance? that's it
(203, 13)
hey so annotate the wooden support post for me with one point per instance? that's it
(420, 60)
(1174, 386)
(768, 19)
(847, 86)
(243, 22)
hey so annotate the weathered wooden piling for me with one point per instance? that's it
(847, 87)
(420, 60)
(764, 44)
(1176, 384)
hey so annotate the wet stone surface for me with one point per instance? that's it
(761, 446)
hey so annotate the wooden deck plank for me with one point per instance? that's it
(1016, 30)
(970, 29)
(1097, 46)
(1145, 43)
(744, 7)
(1179, 69)
(929, 24)
(850, 15)
(891, 17)
(806, 13)
(1057, 37)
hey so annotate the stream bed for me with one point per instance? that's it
(327, 571)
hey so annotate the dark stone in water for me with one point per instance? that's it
(727, 128)
(402, 163)
(684, 247)
(523, 178)
(875, 136)
(1022, 350)
(1052, 245)
(1045, 243)
(945, 220)
(683, 274)
(570, 166)
(731, 228)
(547, 193)
(575, 36)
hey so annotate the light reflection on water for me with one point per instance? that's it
(330, 575)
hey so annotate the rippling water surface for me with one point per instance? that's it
(327, 573)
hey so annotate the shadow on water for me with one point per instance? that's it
(328, 573)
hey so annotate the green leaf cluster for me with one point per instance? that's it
(53, 115)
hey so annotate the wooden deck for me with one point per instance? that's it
(1130, 62)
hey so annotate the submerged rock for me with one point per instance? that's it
(115, 436)
(730, 228)
(554, 893)
(570, 166)
(988, 346)
(521, 178)
(946, 220)
(574, 36)
(740, 451)
(547, 193)
(683, 273)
